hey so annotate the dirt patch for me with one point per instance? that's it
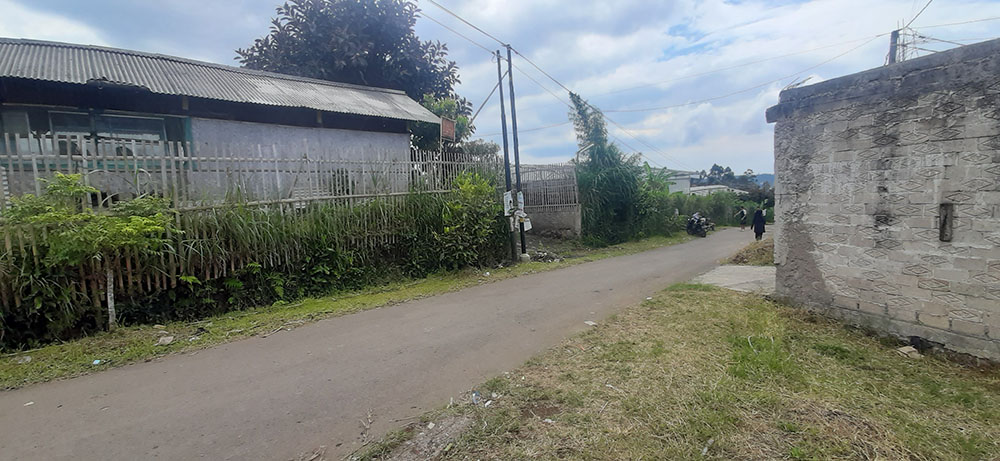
(549, 249)
(430, 440)
(755, 254)
(540, 410)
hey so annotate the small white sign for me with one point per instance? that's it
(520, 200)
(508, 203)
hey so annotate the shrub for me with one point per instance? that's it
(226, 258)
(65, 235)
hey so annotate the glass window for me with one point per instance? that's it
(14, 122)
(70, 123)
(130, 128)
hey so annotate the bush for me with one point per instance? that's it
(228, 258)
(64, 236)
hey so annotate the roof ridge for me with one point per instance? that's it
(195, 62)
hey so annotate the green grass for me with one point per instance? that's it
(738, 377)
(137, 343)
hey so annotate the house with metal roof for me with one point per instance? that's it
(68, 98)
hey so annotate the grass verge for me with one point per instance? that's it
(758, 253)
(137, 343)
(702, 372)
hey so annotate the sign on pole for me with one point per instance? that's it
(447, 129)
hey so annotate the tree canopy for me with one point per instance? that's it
(426, 135)
(365, 42)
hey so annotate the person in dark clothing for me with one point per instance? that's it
(758, 224)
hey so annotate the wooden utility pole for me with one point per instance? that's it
(506, 155)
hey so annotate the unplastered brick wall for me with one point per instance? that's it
(888, 198)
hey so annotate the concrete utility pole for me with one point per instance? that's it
(506, 155)
(893, 46)
(517, 156)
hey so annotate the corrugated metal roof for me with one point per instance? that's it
(70, 63)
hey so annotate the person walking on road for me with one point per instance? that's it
(758, 224)
(742, 214)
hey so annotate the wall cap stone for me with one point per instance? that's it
(879, 81)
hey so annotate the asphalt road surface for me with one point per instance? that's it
(274, 398)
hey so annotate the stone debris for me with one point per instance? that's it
(165, 340)
(22, 359)
(591, 323)
(909, 352)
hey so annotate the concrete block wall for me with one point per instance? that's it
(863, 164)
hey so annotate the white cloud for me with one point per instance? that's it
(18, 21)
(599, 48)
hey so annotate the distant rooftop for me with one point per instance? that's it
(83, 64)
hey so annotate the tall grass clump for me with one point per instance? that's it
(168, 265)
(623, 199)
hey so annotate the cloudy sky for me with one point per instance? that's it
(688, 80)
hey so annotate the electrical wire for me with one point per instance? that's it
(616, 124)
(481, 106)
(918, 14)
(619, 126)
(938, 40)
(425, 15)
(961, 23)
(769, 82)
(446, 10)
(525, 130)
(737, 66)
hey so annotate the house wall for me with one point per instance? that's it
(562, 221)
(681, 184)
(863, 164)
(209, 135)
(326, 149)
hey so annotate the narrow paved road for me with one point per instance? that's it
(276, 397)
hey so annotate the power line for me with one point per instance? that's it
(457, 32)
(737, 66)
(961, 23)
(938, 40)
(446, 10)
(498, 83)
(547, 90)
(489, 135)
(918, 14)
(494, 90)
(618, 125)
(769, 82)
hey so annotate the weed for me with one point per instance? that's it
(798, 389)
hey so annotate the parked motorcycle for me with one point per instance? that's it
(699, 225)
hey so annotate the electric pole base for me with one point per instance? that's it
(524, 257)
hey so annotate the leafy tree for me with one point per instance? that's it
(609, 180)
(427, 135)
(479, 148)
(365, 42)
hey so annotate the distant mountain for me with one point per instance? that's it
(765, 178)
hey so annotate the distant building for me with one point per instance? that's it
(682, 180)
(707, 190)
